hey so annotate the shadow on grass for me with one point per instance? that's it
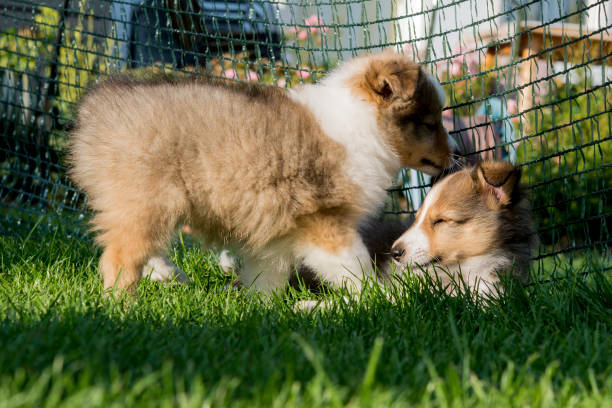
(255, 343)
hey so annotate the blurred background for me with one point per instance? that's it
(527, 81)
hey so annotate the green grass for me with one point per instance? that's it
(201, 344)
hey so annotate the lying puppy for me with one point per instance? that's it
(476, 223)
(474, 226)
(280, 175)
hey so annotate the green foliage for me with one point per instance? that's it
(567, 157)
(20, 50)
(80, 60)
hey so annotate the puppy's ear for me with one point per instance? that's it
(394, 83)
(498, 182)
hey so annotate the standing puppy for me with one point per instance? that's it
(283, 176)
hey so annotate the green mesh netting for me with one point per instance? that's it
(526, 81)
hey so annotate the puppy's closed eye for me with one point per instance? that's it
(447, 220)
(439, 221)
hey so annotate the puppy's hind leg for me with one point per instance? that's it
(335, 251)
(121, 264)
(127, 247)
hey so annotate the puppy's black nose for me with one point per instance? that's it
(397, 252)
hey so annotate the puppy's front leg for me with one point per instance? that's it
(335, 252)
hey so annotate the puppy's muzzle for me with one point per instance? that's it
(397, 252)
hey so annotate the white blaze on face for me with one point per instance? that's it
(415, 241)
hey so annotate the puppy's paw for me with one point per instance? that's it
(160, 269)
(228, 263)
(309, 305)
(306, 305)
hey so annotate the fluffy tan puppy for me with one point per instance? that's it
(283, 176)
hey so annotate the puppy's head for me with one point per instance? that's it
(467, 214)
(409, 104)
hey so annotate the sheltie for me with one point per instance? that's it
(474, 225)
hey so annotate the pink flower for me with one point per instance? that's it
(314, 20)
(472, 61)
(302, 73)
(313, 25)
(455, 68)
(230, 73)
(512, 106)
(252, 76)
(281, 83)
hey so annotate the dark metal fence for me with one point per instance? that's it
(528, 81)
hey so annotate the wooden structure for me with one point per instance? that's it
(534, 40)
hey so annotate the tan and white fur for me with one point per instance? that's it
(476, 225)
(282, 176)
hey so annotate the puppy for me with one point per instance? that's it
(474, 226)
(475, 223)
(283, 176)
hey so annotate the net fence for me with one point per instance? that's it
(527, 81)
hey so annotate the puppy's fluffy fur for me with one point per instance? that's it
(283, 176)
(476, 223)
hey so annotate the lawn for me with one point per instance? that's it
(203, 344)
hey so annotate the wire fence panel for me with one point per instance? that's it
(527, 81)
